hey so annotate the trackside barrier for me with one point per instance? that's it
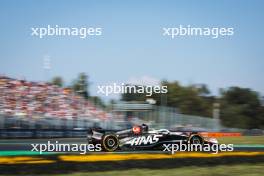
(34, 133)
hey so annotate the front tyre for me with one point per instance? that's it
(110, 142)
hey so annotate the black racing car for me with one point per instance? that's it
(140, 138)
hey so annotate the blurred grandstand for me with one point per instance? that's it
(30, 105)
(31, 99)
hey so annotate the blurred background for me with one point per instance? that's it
(49, 86)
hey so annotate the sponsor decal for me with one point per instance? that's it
(144, 140)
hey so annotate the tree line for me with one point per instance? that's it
(239, 107)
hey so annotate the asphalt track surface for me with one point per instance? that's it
(72, 163)
(16, 145)
(16, 158)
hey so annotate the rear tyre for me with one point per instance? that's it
(110, 142)
(196, 139)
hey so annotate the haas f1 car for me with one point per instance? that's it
(142, 138)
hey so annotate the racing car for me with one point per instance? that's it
(142, 138)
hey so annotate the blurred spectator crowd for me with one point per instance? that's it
(37, 99)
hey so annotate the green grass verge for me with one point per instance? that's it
(234, 170)
(242, 140)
